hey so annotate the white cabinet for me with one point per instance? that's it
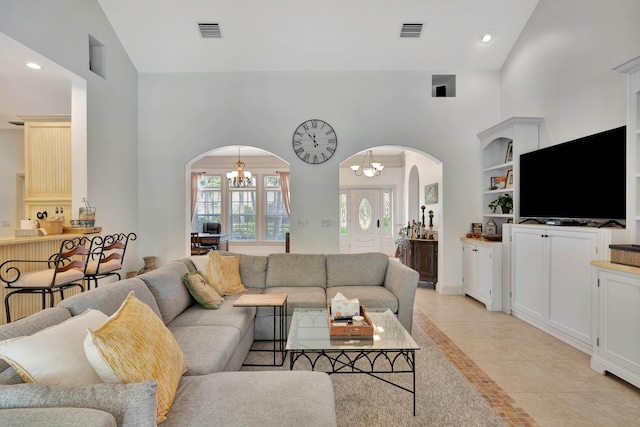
(551, 285)
(617, 347)
(482, 272)
(502, 146)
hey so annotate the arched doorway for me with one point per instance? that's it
(394, 198)
(253, 215)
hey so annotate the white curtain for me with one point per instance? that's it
(284, 186)
(195, 179)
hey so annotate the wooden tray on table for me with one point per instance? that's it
(350, 330)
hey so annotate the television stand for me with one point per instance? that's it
(611, 223)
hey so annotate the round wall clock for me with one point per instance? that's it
(315, 141)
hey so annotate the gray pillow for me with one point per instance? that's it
(132, 405)
(58, 417)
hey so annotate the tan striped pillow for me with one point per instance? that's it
(133, 346)
(224, 274)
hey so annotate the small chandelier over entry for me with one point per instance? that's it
(239, 178)
(369, 166)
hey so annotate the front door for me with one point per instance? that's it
(364, 219)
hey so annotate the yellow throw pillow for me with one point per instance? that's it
(201, 290)
(224, 274)
(133, 346)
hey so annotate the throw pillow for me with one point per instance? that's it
(224, 274)
(55, 355)
(202, 264)
(133, 346)
(201, 290)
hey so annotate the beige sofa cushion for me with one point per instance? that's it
(366, 269)
(291, 270)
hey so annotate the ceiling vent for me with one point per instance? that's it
(411, 30)
(210, 30)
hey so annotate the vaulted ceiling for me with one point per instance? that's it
(280, 35)
(327, 35)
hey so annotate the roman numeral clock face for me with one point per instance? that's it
(315, 141)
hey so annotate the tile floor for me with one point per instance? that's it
(551, 381)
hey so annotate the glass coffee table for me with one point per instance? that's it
(390, 351)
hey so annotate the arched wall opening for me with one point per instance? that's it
(408, 173)
(264, 166)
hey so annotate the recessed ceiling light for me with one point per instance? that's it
(34, 66)
(486, 36)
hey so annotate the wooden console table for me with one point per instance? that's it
(220, 240)
(422, 256)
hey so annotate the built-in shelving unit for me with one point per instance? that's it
(632, 69)
(518, 134)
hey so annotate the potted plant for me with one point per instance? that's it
(505, 201)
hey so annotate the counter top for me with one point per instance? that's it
(617, 267)
(9, 240)
(480, 241)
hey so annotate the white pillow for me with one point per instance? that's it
(202, 264)
(55, 355)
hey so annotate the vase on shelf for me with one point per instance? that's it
(505, 210)
(149, 264)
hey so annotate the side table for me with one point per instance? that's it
(279, 304)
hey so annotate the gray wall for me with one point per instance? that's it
(560, 69)
(60, 31)
(185, 115)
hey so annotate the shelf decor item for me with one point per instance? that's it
(509, 156)
(491, 228)
(509, 181)
(505, 201)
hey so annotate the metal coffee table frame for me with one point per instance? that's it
(391, 351)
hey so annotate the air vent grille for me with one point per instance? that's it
(210, 30)
(411, 30)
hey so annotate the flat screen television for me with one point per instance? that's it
(583, 179)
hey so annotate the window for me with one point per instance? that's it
(252, 213)
(209, 204)
(275, 215)
(344, 214)
(386, 212)
(242, 212)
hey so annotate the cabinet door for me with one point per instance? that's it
(484, 256)
(425, 261)
(528, 265)
(470, 268)
(619, 320)
(570, 282)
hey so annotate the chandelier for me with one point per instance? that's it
(369, 166)
(239, 178)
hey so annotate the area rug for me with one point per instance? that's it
(444, 397)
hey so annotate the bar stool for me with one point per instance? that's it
(63, 270)
(107, 257)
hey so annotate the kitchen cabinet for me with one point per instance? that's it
(422, 256)
(482, 272)
(617, 347)
(551, 285)
(47, 150)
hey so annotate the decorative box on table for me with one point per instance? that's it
(625, 254)
(349, 330)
